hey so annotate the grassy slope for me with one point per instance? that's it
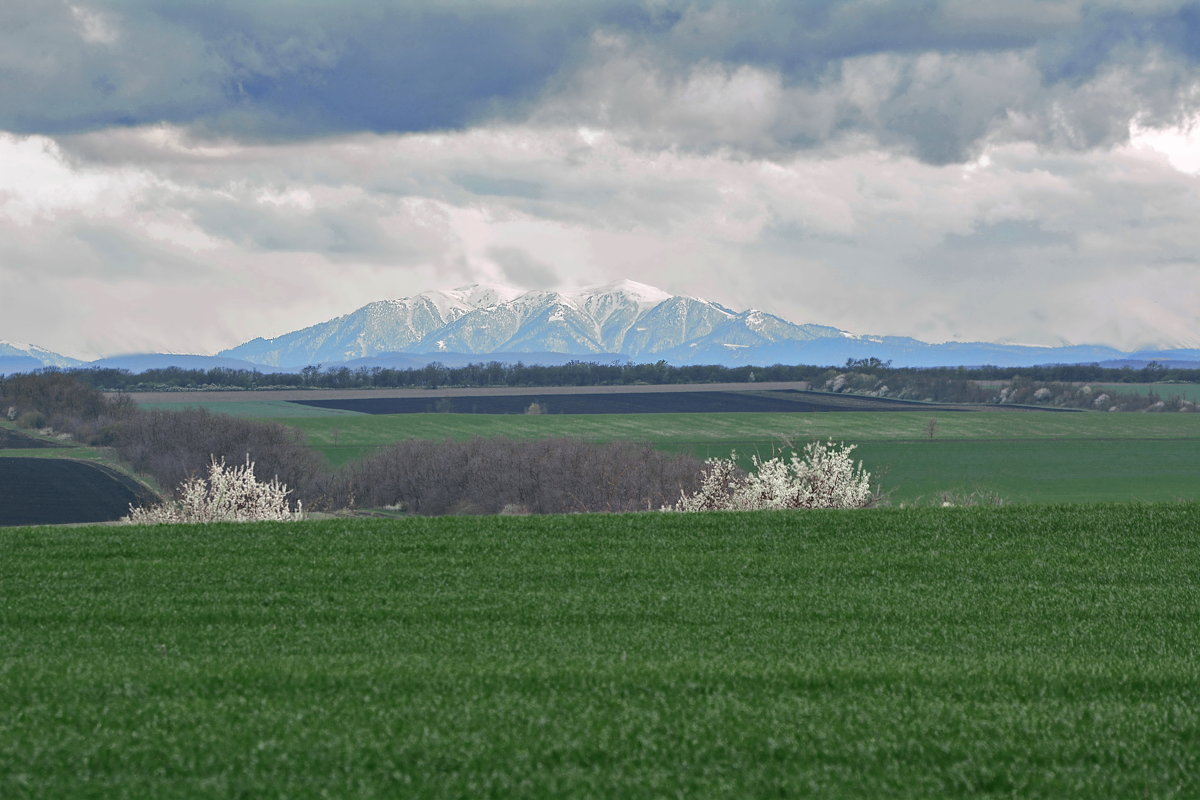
(1031, 652)
(1029, 457)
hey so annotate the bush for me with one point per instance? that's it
(228, 494)
(32, 420)
(171, 446)
(823, 476)
(498, 475)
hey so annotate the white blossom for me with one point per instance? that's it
(823, 476)
(228, 494)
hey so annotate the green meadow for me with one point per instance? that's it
(1033, 652)
(1019, 456)
(1030, 457)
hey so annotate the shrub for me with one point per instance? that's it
(32, 420)
(495, 475)
(823, 476)
(171, 446)
(228, 494)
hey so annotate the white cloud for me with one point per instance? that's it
(37, 181)
(1178, 144)
(131, 239)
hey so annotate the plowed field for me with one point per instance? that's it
(656, 402)
(53, 491)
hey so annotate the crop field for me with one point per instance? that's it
(1022, 457)
(45, 481)
(551, 400)
(903, 653)
(61, 490)
(583, 401)
(12, 439)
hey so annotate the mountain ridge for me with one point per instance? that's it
(620, 321)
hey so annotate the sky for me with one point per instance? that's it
(185, 175)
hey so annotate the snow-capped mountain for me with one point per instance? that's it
(380, 327)
(625, 317)
(626, 321)
(16, 357)
(635, 321)
(749, 331)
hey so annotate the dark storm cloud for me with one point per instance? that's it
(282, 69)
(941, 76)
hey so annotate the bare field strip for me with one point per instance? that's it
(295, 395)
(781, 396)
(55, 491)
(16, 440)
(785, 401)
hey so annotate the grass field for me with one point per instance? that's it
(1025, 457)
(902, 653)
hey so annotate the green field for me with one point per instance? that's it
(1020, 456)
(902, 653)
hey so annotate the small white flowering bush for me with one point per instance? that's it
(822, 476)
(228, 494)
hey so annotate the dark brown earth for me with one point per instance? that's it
(296, 395)
(787, 401)
(56, 491)
(767, 396)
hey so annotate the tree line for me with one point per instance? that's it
(587, 373)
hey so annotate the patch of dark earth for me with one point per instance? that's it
(644, 403)
(15, 440)
(58, 491)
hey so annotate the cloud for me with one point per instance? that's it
(1005, 247)
(523, 269)
(934, 78)
(189, 175)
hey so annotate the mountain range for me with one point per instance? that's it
(622, 321)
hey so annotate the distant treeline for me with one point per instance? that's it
(584, 373)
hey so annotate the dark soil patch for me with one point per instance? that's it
(634, 403)
(56, 491)
(15, 440)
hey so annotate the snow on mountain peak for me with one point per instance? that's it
(643, 293)
(479, 295)
(625, 316)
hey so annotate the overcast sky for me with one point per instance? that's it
(183, 176)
